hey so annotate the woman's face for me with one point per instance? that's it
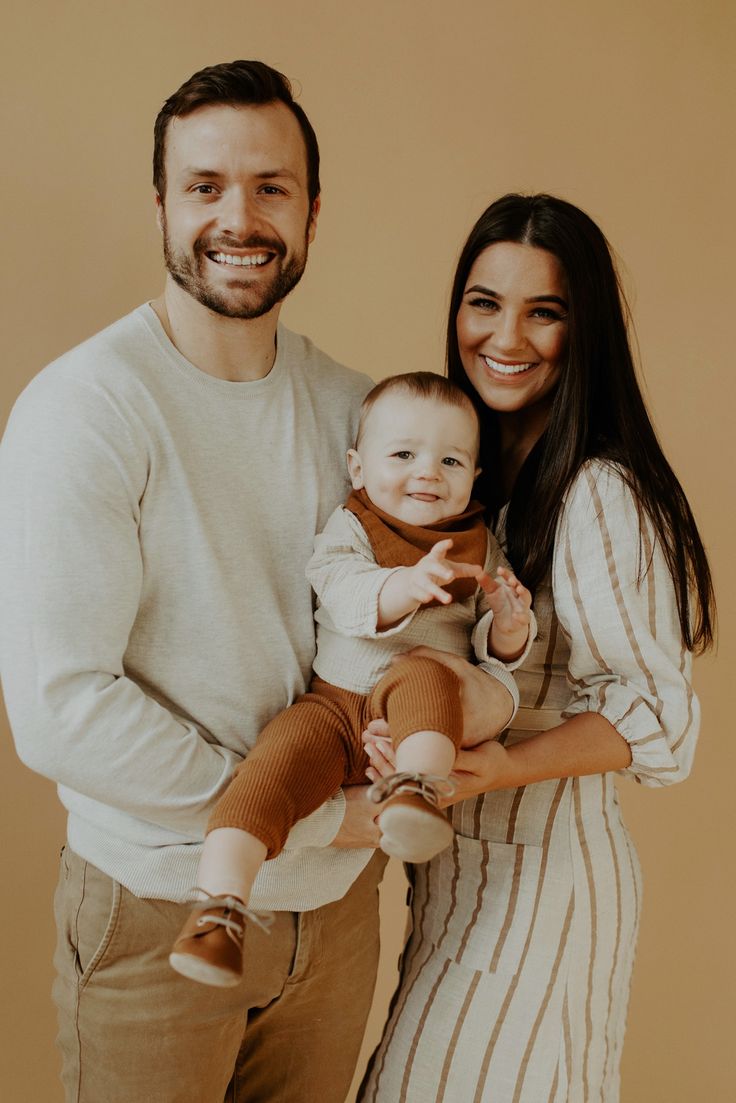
(512, 326)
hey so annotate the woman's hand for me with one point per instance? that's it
(476, 771)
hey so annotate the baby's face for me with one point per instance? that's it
(416, 459)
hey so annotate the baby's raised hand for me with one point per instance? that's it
(434, 570)
(511, 603)
(509, 600)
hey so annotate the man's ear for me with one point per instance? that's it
(313, 215)
(159, 211)
(355, 469)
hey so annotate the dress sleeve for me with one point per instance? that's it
(347, 580)
(615, 602)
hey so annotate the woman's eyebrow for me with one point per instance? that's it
(478, 288)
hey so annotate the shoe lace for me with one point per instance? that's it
(232, 904)
(428, 786)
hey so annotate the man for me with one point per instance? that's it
(160, 489)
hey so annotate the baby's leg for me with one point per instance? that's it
(299, 761)
(420, 699)
(230, 860)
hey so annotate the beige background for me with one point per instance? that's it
(425, 112)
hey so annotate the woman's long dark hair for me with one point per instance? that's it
(597, 411)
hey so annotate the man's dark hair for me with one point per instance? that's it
(233, 84)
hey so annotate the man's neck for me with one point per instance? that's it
(236, 349)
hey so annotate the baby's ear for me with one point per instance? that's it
(355, 469)
(477, 472)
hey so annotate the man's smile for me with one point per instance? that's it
(253, 260)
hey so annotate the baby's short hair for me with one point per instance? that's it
(419, 384)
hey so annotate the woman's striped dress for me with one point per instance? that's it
(515, 980)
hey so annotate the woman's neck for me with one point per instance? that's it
(519, 431)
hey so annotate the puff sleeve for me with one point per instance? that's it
(616, 605)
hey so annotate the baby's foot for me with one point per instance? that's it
(413, 828)
(209, 948)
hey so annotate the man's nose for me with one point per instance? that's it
(239, 213)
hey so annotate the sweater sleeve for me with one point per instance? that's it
(71, 480)
(615, 602)
(347, 580)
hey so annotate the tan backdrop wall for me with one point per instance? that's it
(425, 112)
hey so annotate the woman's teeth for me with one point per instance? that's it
(507, 369)
(243, 262)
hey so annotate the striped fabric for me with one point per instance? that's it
(515, 980)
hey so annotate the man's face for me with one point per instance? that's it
(236, 218)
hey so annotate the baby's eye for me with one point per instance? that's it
(403, 455)
(450, 461)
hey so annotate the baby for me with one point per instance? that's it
(385, 582)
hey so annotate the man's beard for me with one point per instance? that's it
(250, 299)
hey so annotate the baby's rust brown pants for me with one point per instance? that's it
(314, 747)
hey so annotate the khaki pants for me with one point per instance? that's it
(131, 1030)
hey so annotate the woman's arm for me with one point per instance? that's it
(632, 705)
(584, 744)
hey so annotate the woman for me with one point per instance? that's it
(515, 980)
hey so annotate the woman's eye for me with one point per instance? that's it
(548, 315)
(484, 304)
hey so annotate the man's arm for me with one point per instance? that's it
(71, 577)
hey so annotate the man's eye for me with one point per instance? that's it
(204, 189)
(271, 189)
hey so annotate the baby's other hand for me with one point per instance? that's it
(509, 600)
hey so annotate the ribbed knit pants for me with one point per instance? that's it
(314, 747)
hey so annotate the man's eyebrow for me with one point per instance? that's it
(265, 174)
(270, 174)
(208, 174)
(479, 289)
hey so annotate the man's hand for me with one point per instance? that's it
(359, 827)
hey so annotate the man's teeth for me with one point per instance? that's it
(507, 369)
(242, 262)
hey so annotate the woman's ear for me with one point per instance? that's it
(355, 469)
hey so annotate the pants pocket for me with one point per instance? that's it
(87, 909)
(481, 903)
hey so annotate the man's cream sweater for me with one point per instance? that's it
(155, 524)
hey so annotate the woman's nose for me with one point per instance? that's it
(508, 335)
